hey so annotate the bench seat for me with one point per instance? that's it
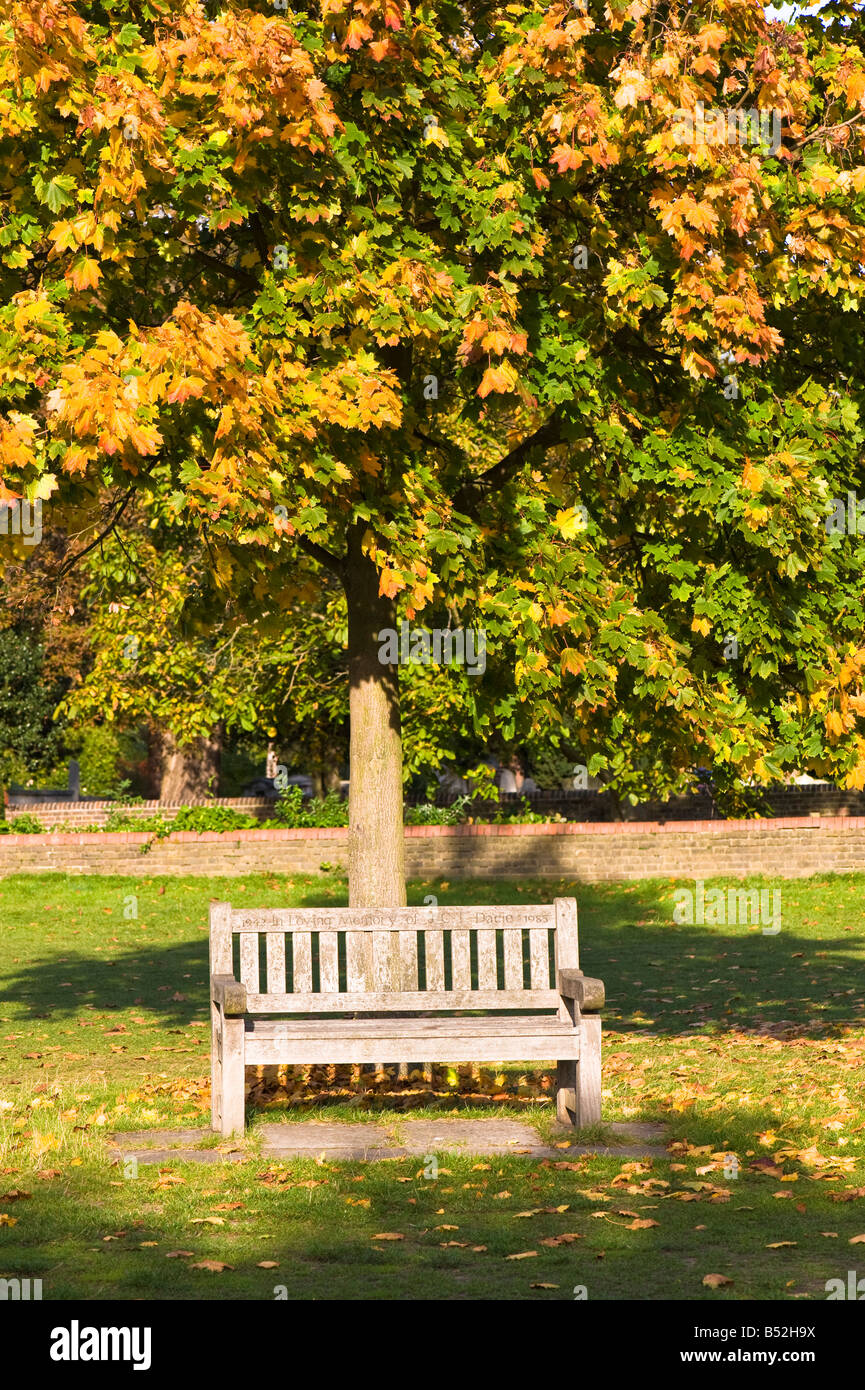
(494, 1038)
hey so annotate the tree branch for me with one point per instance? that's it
(72, 560)
(323, 556)
(230, 272)
(470, 493)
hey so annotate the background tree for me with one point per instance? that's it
(441, 299)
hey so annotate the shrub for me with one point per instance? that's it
(24, 824)
(291, 813)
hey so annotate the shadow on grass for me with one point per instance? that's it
(661, 978)
(458, 1236)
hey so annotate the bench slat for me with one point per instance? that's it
(328, 962)
(461, 960)
(487, 973)
(539, 956)
(402, 1001)
(474, 1047)
(385, 961)
(513, 942)
(302, 962)
(421, 1027)
(276, 962)
(249, 963)
(408, 960)
(435, 959)
(358, 961)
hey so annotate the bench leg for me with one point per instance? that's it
(233, 1078)
(578, 1084)
(215, 1070)
(566, 1092)
(589, 1071)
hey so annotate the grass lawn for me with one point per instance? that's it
(741, 1043)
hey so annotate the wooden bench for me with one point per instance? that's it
(446, 984)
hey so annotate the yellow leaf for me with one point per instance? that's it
(570, 521)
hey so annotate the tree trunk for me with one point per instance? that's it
(376, 862)
(325, 769)
(190, 771)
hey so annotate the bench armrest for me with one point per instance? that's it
(229, 994)
(589, 993)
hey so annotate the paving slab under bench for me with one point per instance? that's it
(400, 1138)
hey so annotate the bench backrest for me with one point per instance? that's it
(321, 960)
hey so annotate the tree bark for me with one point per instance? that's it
(188, 772)
(376, 861)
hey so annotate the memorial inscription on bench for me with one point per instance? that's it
(394, 919)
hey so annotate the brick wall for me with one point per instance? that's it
(81, 813)
(790, 848)
(781, 801)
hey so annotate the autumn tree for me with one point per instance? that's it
(462, 302)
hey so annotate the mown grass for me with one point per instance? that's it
(741, 1043)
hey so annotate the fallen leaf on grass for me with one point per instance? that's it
(857, 1240)
(389, 1235)
(641, 1224)
(543, 1211)
(16, 1195)
(268, 1264)
(7, 1220)
(543, 1286)
(716, 1281)
(148, 1244)
(523, 1255)
(566, 1238)
(215, 1266)
(780, 1244)
(177, 1254)
(207, 1221)
(767, 1166)
(830, 1234)
(227, 1206)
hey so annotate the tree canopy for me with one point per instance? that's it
(450, 300)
